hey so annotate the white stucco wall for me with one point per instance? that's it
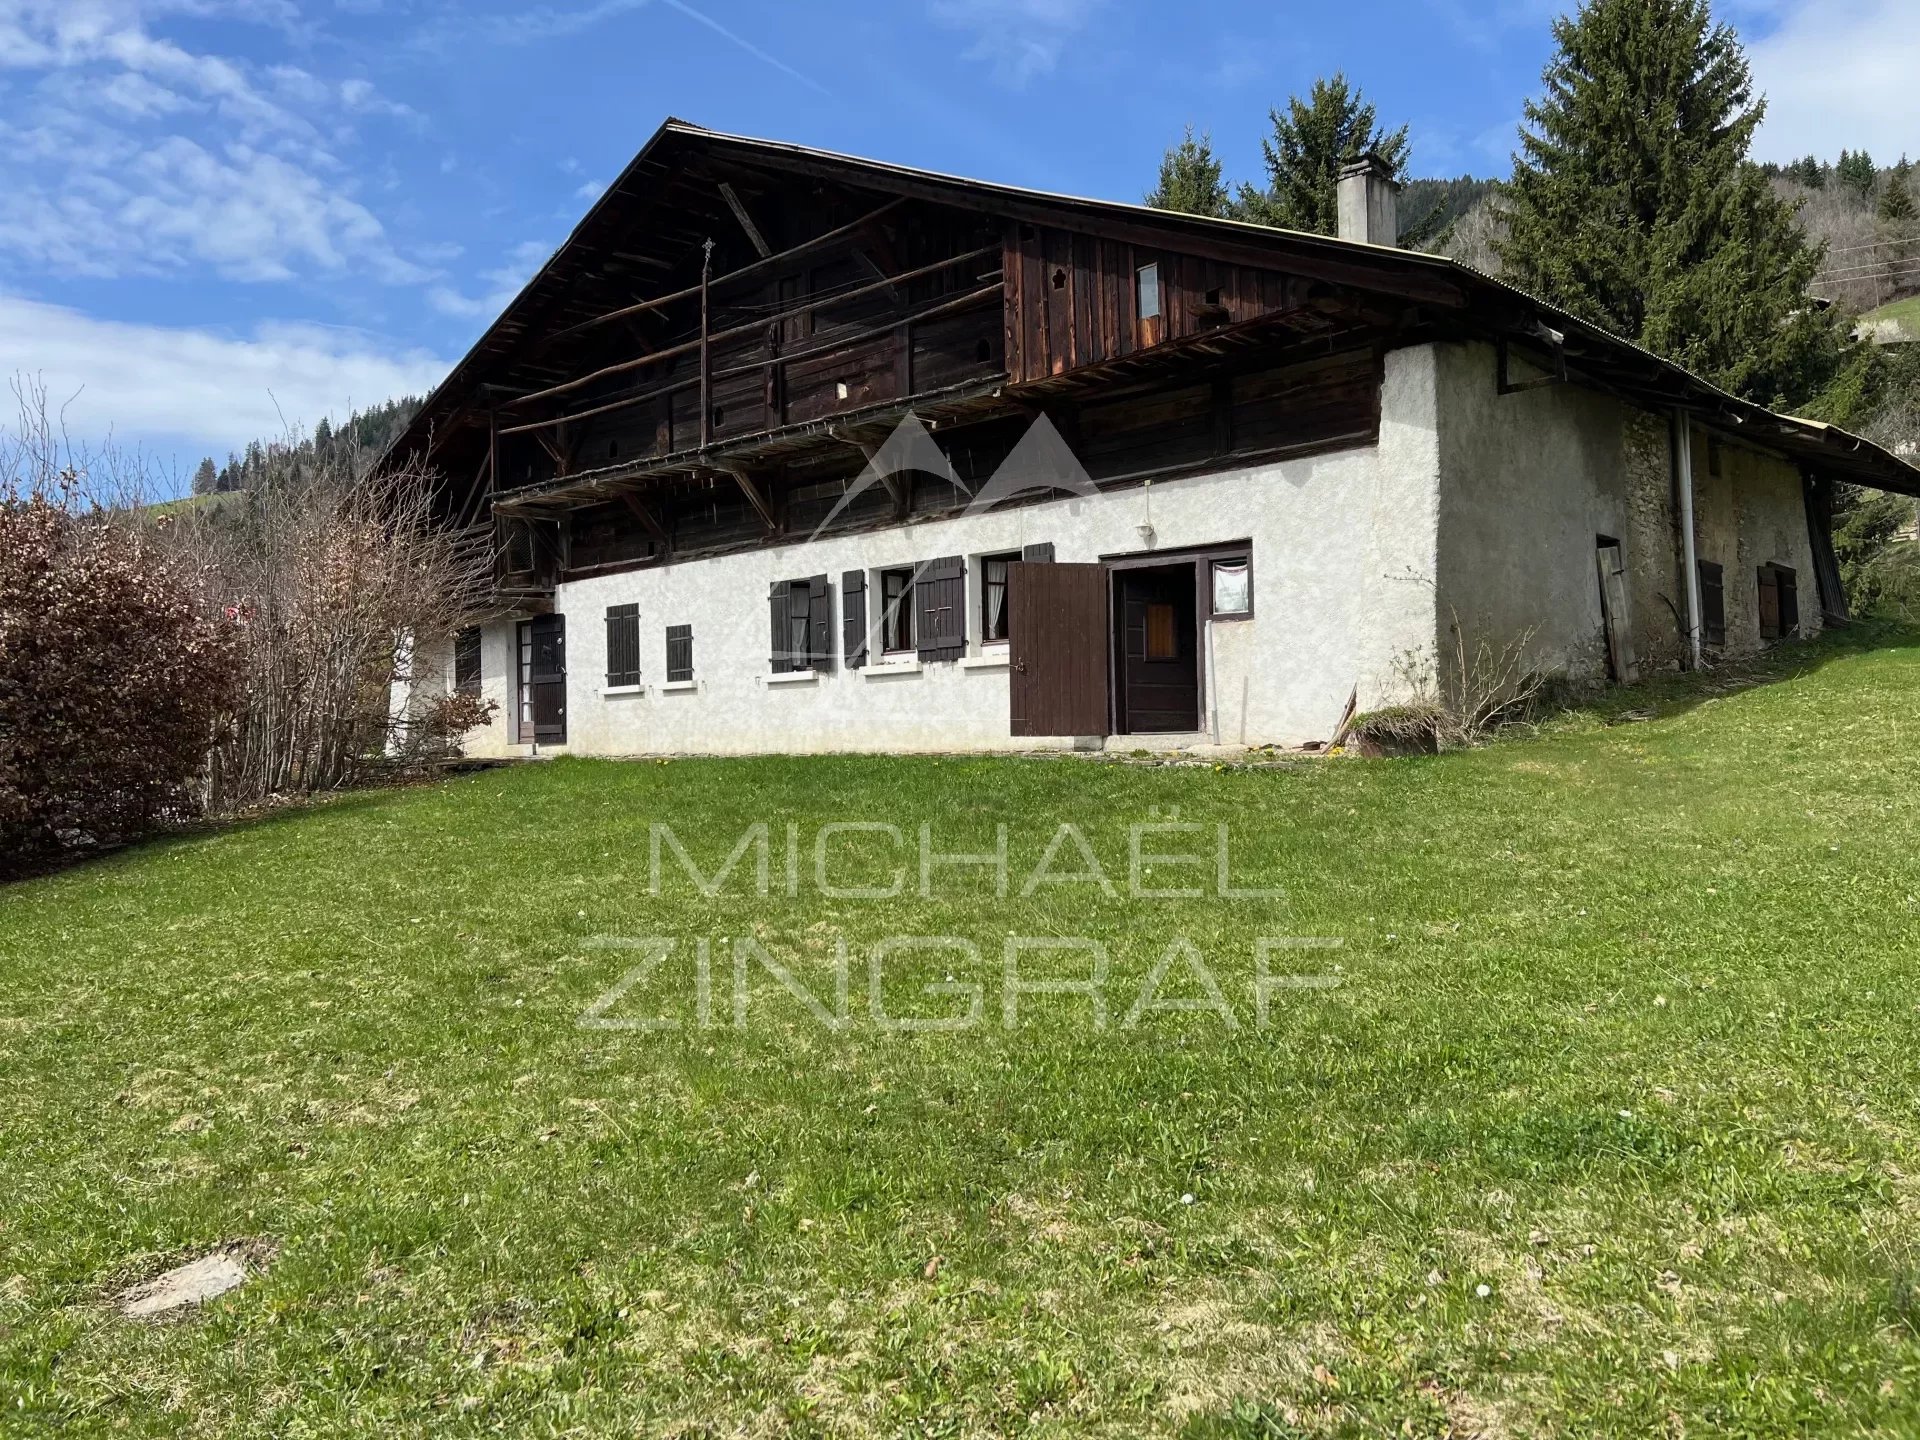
(1343, 565)
(1530, 481)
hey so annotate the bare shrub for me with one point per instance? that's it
(1456, 694)
(116, 674)
(329, 577)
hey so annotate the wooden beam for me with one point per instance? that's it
(734, 204)
(648, 520)
(761, 500)
(807, 306)
(805, 247)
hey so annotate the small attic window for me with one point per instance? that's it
(983, 351)
(1146, 289)
(613, 449)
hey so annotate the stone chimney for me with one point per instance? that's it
(1369, 207)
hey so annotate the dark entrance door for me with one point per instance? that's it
(543, 680)
(1157, 651)
(1057, 626)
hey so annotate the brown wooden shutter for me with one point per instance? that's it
(1769, 604)
(820, 647)
(679, 653)
(940, 608)
(623, 645)
(1041, 554)
(1789, 585)
(853, 606)
(778, 604)
(1713, 604)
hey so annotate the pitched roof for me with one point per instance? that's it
(1475, 302)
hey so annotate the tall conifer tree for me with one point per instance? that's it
(1633, 203)
(1311, 140)
(1190, 179)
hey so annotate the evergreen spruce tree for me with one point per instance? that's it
(1896, 204)
(1633, 203)
(1190, 179)
(206, 477)
(1857, 172)
(1311, 140)
(1809, 172)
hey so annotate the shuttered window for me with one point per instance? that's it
(679, 654)
(940, 608)
(802, 624)
(853, 606)
(1713, 605)
(466, 661)
(623, 645)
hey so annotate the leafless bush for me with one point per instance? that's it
(1456, 694)
(116, 673)
(329, 578)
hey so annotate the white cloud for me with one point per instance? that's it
(504, 282)
(1021, 39)
(196, 390)
(138, 156)
(592, 190)
(1838, 74)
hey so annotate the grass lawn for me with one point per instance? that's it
(1611, 1128)
(1906, 312)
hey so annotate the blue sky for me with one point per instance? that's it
(222, 212)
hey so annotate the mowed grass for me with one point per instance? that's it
(1905, 312)
(1611, 1128)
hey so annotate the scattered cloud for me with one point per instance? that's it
(591, 191)
(504, 282)
(1020, 39)
(197, 390)
(134, 155)
(1837, 74)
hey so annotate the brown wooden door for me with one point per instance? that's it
(1058, 628)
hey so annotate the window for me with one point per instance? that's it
(679, 654)
(1232, 586)
(1713, 604)
(896, 610)
(802, 613)
(993, 597)
(1146, 285)
(466, 661)
(623, 646)
(1160, 640)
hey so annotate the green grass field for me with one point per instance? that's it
(1906, 312)
(1612, 1126)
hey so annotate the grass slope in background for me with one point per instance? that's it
(1611, 1128)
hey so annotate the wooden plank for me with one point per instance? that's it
(759, 241)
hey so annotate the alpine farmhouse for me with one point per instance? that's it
(789, 451)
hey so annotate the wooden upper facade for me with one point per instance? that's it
(709, 360)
